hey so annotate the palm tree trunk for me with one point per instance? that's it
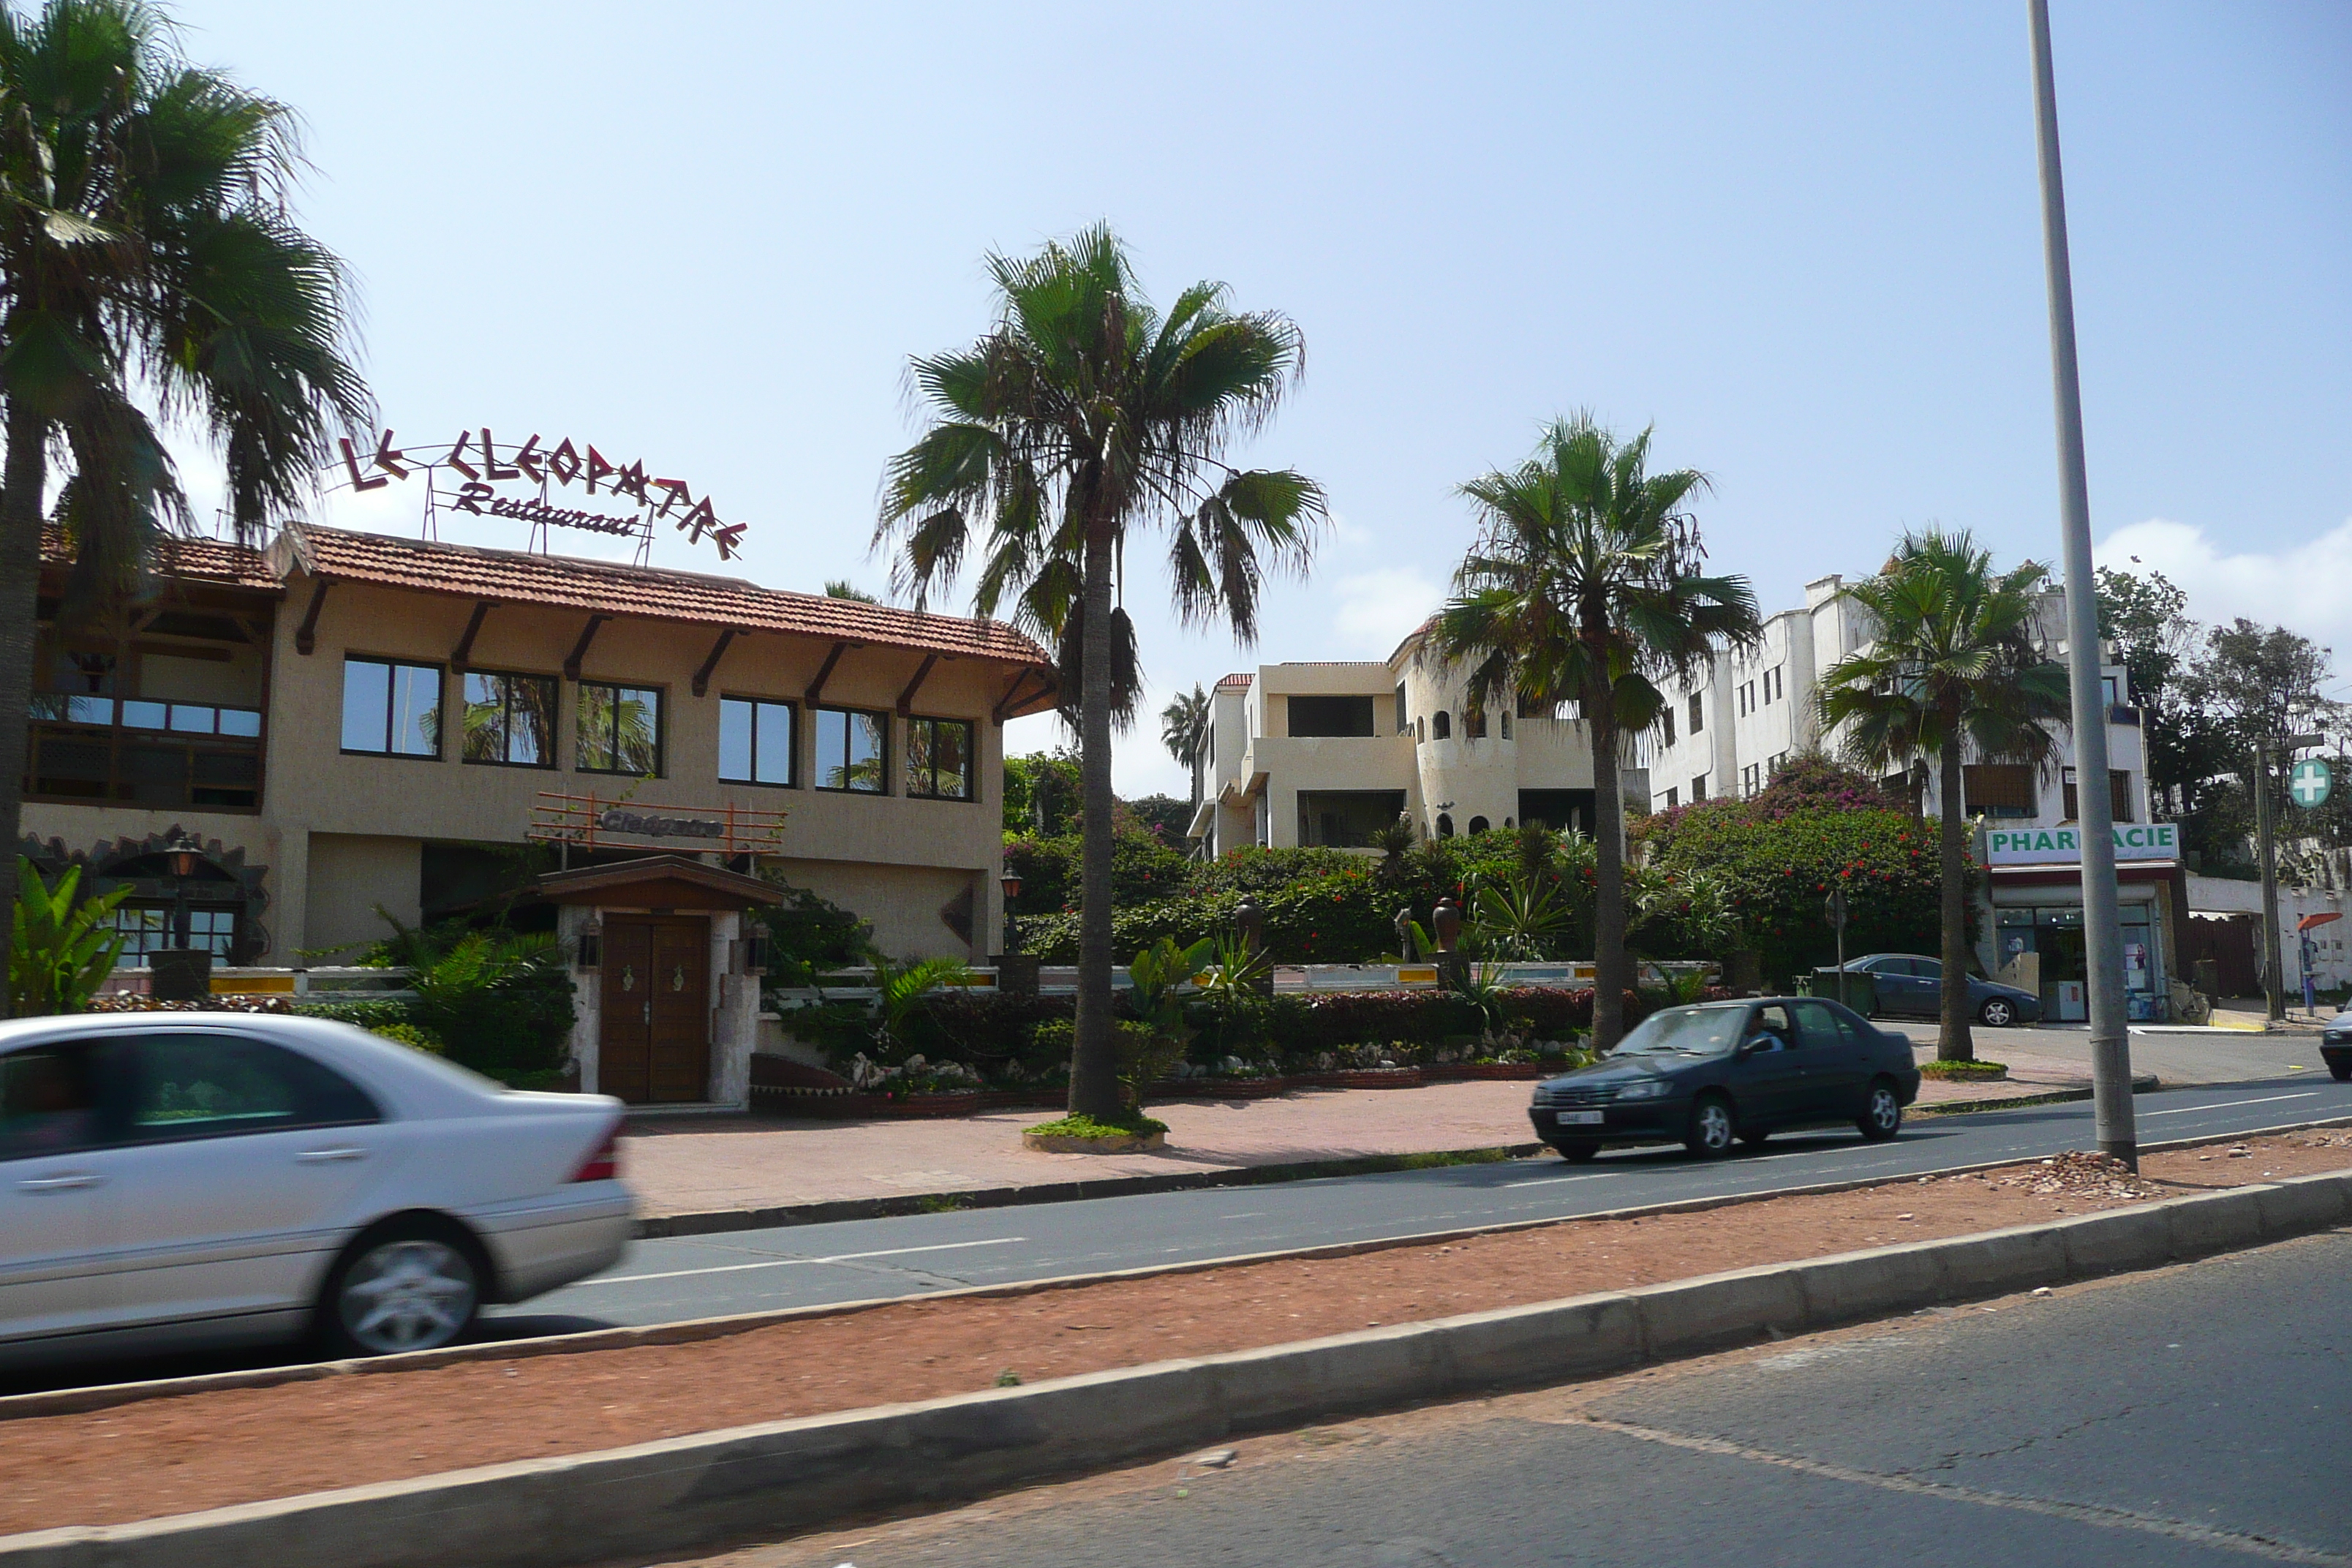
(1608, 967)
(1093, 1053)
(21, 483)
(1954, 1043)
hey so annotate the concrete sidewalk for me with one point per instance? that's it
(706, 1164)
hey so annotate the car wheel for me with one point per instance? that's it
(1998, 1013)
(1578, 1150)
(1713, 1128)
(408, 1285)
(1882, 1116)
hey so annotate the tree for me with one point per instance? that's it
(843, 588)
(1953, 671)
(2147, 617)
(1184, 726)
(145, 247)
(1083, 416)
(1586, 581)
(2252, 687)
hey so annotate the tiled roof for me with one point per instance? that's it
(1240, 682)
(200, 560)
(607, 587)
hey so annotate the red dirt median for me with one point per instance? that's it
(207, 1450)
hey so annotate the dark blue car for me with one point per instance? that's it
(1722, 1072)
(1911, 986)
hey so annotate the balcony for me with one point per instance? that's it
(93, 751)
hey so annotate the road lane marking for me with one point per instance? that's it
(2234, 1104)
(1258, 1214)
(790, 1262)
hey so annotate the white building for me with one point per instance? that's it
(1328, 753)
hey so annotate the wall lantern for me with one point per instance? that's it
(182, 853)
(1011, 883)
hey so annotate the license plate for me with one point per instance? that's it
(1580, 1117)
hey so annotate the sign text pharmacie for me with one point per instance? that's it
(2063, 845)
(477, 465)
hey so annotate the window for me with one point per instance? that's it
(1699, 789)
(1750, 779)
(1330, 716)
(1347, 819)
(939, 759)
(2000, 789)
(1474, 723)
(1666, 720)
(1558, 809)
(212, 1085)
(1404, 720)
(1439, 726)
(1444, 826)
(48, 1100)
(2119, 798)
(1697, 712)
(1773, 689)
(390, 709)
(1773, 767)
(755, 741)
(1479, 824)
(1673, 797)
(510, 720)
(853, 749)
(1506, 726)
(620, 730)
(146, 927)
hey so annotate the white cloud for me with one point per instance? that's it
(1377, 608)
(2300, 587)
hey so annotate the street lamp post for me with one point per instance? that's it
(2102, 927)
(2267, 755)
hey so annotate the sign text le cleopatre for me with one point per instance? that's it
(476, 473)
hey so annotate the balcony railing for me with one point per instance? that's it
(97, 750)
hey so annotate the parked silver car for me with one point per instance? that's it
(189, 1181)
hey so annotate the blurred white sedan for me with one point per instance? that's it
(180, 1181)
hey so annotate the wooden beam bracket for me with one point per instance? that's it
(306, 635)
(922, 673)
(463, 654)
(815, 692)
(702, 676)
(579, 649)
(1012, 692)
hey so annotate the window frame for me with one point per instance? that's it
(394, 663)
(129, 1133)
(792, 752)
(1697, 713)
(555, 685)
(817, 740)
(971, 761)
(661, 728)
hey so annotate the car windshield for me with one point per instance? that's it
(1686, 1031)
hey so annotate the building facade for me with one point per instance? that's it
(1329, 753)
(348, 726)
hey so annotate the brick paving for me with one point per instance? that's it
(693, 1165)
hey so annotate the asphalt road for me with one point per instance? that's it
(693, 1277)
(2185, 1418)
(2174, 1055)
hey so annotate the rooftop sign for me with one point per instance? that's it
(473, 474)
(2135, 841)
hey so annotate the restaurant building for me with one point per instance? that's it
(282, 747)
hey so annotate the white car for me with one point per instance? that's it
(179, 1181)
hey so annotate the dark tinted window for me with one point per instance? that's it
(1331, 715)
(49, 1102)
(1819, 1025)
(1927, 968)
(213, 1086)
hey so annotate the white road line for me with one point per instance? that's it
(1556, 1181)
(2234, 1104)
(791, 1262)
(1259, 1215)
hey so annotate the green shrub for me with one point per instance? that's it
(1089, 1127)
(409, 1035)
(370, 1015)
(62, 947)
(1964, 1072)
(498, 1000)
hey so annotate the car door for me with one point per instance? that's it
(54, 1196)
(238, 1180)
(1766, 1081)
(1836, 1062)
(1898, 987)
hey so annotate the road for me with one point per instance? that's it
(2180, 1419)
(691, 1276)
(2176, 1055)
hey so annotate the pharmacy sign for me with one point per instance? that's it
(2135, 841)
(2309, 783)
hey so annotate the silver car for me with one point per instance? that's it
(179, 1181)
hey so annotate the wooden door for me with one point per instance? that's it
(625, 1025)
(681, 1009)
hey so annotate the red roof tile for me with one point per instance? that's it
(200, 560)
(608, 587)
(1240, 682)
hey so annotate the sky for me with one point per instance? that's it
(1801, 241)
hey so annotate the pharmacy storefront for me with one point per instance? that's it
(2035, 883)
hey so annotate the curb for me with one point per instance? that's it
(781, 1477)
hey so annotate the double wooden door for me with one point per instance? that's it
(654, 1043)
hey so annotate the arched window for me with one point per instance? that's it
(1479, 824)
(1418, 737)
(1444, 822)
(1506, 822)
(1474, 723)
(1506, 735)
(1441, 726)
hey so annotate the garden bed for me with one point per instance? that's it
(847, 1104)
(176, 1455)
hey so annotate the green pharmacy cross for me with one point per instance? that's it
(2309, 783)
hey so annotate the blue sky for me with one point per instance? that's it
(1801, 240)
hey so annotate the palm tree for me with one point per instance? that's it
(1183, 725)
(1082, 414)
(145, 243)
(1953, 671)
(1586, 581)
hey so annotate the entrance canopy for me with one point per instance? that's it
(657, 882)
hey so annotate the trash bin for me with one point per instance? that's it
(1861, 988)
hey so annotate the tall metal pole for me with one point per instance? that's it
(2095, 817)
(2266, 838)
